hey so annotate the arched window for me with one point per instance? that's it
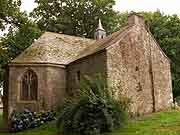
(29, 86)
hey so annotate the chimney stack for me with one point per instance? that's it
(135, 19)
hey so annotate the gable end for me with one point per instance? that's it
(158, 45)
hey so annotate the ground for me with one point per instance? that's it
(1, 124)
(161, 123)
(47, 129)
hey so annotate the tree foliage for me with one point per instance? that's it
(10, 13)
(19, 39)
(75, 17)
(21, 31)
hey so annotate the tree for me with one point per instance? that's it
(17, 40)
(10, 13)
(10, 18)
(21, 31)
(75, 17)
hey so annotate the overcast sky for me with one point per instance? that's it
(166, 6)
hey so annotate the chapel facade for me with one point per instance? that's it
(51, 68)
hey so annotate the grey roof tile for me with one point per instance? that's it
(64, 49)
(53, 48)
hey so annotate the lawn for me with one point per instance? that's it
(47, 129)
(162, 123)
(1, 120)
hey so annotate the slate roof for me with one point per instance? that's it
(102, 44)
(53, 48)
(63, 49)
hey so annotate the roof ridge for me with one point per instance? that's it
(67, 35)
(101, 44)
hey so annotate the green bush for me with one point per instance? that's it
(95, 110)
(177, 99)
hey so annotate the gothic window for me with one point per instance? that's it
(29, 86)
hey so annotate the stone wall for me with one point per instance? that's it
(91, 65)
(161, 78)
(56, 86)
(51, 87)
(134, 64)
(130, 65)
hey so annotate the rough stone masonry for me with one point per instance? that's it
(130, 58)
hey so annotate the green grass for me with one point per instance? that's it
(49, 129)
(162, 123)
(1, 120)
(46, 129)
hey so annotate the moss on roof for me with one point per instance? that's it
(54, 48)
(103, 43)
(64, 49)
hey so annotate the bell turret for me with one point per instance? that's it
(100, 32)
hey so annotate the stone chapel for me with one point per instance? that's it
(51, 68)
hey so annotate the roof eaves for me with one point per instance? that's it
(37, 64)
(158, 45)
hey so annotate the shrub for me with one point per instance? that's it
(27, 119)
(177, 99)
(95, 110)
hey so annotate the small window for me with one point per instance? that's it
(137, 68)
(78, 75)
(139, 87)
(29, 86)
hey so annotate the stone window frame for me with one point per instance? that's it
(19, 100)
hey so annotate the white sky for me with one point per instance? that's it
(166, 6)
(28, 5)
